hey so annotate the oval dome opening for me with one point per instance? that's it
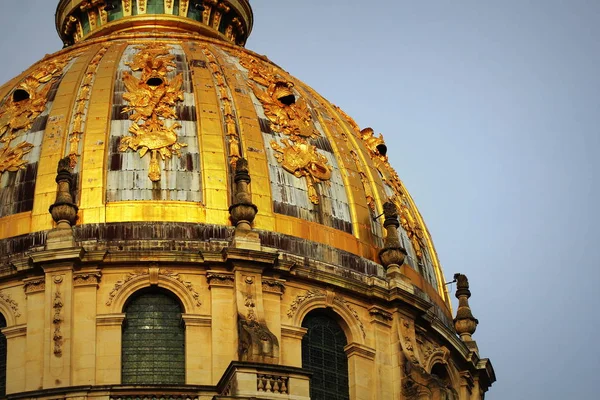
(154, 82)
(382, 149)
(20, 95)
(288, 100)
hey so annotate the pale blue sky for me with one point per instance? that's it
(491, 113)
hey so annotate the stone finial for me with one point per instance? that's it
(64, 211)
(243, 211)
(464, 323)
(392, 254)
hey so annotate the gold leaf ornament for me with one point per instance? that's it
(151, 101)
(303, 160)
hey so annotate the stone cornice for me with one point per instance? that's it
(110, 319)
(360, 350)
(15, 331)
(293, 332)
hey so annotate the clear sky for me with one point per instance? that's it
(491, 112)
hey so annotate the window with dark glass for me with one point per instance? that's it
(323, 354)
(2, 358)
(153, 340)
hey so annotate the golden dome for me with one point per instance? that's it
(154, 125)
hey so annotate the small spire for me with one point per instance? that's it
(464, 323)
(392, 254)
(64, 211)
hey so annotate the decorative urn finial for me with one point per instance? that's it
(464, 323)
(64, 211)
(392, 254)
(242, 211)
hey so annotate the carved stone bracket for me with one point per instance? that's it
(380, 315)
(273, 286)
(34, 285)
(91, 278)
(222, 279)
(10, 303)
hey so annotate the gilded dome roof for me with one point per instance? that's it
(154, 124)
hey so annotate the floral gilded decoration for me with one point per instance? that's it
(289, 115)
(151, 102)
(303, 161)
(21, 108)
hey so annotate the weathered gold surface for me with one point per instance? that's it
(225, 115)
(20, 110)
(151, 101)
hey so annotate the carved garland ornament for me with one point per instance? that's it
(57, 306)
(152, 99)
(188, 285)
(21, 108)
(119, 284)
(316, 293)
(11, 303)
(290, 116)
(168, 273)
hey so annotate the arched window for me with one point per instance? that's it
(2, 358)
(323, 354)
(153, 349)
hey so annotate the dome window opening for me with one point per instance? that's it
(20, 95)
(382, 149)
(154, 82)
(283, 93)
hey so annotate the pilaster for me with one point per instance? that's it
(34, 353)
(381, 323)
(84, 328)
(224, 328)
(291, 342)
(16, 342)
(108, 348)
(198, 348)
(58, 330)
